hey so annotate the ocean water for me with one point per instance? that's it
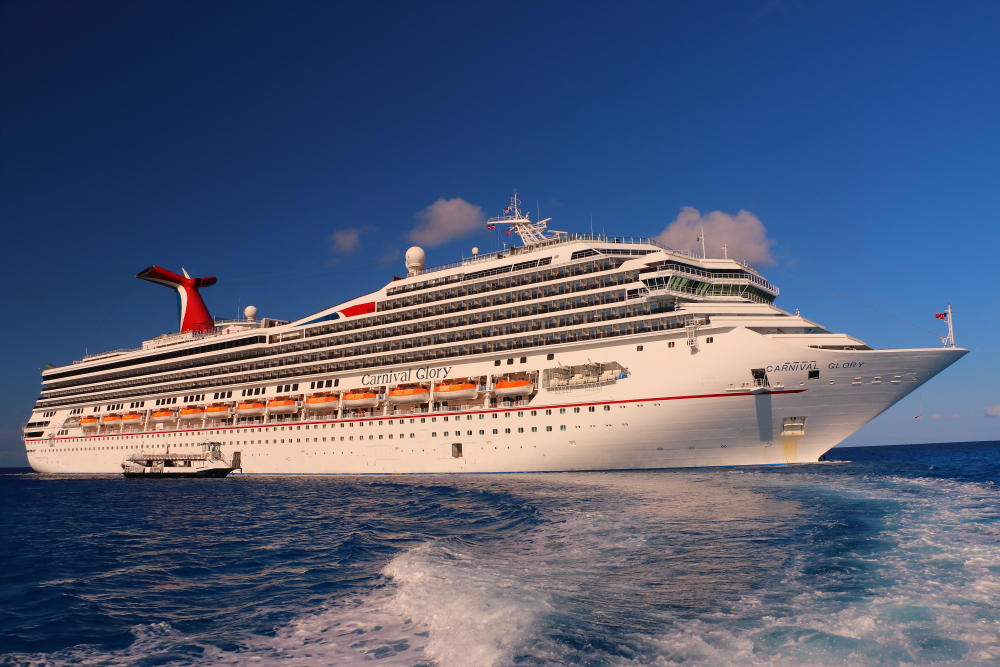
(881, 556)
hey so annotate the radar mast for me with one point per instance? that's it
(531, 233)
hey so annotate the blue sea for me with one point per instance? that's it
(880, 556)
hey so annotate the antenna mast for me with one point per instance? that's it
(531, 233)
(949, 340)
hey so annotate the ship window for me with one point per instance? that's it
(524, 360)
(562, 411)
(506, 430)
(520, 430)
(591, 408)
(670, 344)
(510, 362)
(434, 434)
(710, 339)
(562, 428)
(813, 375)
(638, 348)
(496, 363)
(495, 431)
(607, 408)
(550, 356)
(576, 409)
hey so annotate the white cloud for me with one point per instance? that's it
(744, 233)
(445, 220)
(993, 411)
(348, 240)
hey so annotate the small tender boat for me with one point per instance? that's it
(409, 395)
(323, 401)
(250, 409)
(191, 412)
(131, 419)
(209, 463)
(164, 416)
(360, 399)
(282, 405)
(218, 411)
(459, 389)
(89, 422)
(513, 387)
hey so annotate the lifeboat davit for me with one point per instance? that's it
(455, 391)
(282, 406)
(409, 395)
(111, 420)
(89, 422)
(164, 416)
(360, 399)
(318, 402)
(190, 413)
(218, 412)
(513, 387)
(131, 419)
(250, 409)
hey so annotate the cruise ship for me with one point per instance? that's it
(567, 352)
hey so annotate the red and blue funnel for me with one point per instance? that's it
(194, 314)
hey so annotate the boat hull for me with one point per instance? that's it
(676, 407)
(214, 473)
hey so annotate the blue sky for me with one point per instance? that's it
(234, 138)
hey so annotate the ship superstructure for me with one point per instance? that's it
(570, 352)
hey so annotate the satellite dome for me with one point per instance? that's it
(415, 257)
(250, 312)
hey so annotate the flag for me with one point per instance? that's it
(507, 210)
(508, 232)
(490, 226)
(941, 316)
(697, 239)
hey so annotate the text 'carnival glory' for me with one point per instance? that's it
(569, 352)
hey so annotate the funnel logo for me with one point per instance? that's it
(194, 314)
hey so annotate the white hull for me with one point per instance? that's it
(677, 408)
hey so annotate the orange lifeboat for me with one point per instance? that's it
(324, 401)
(513, 387)
(282, 405)
(164, 416)
(250, 409)
(408, 395)
(131, 419)
(89, 422)
(456, 390)
(218, 411)
(111, 420)
(191, 412)
(360, 399)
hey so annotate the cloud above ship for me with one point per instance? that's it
(446, 220)
(744, 233)
(993, 411)
(346, 241)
